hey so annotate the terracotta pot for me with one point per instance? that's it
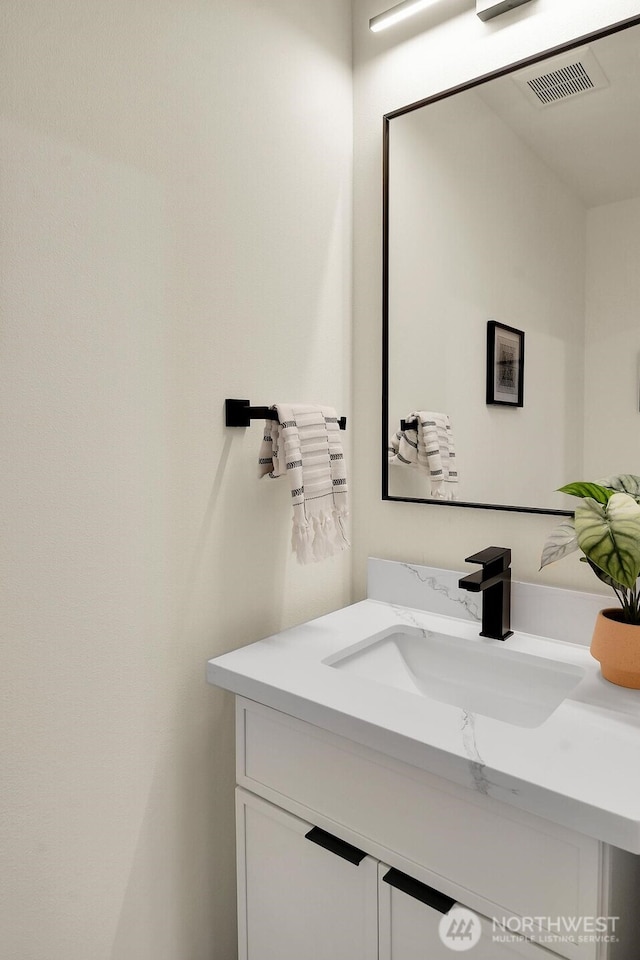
(616, 645)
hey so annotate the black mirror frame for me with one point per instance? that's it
(386, 120)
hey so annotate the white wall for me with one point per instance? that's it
(438, 49)
(175, 225)
(175, 229)
(481, 228)
(612, 417)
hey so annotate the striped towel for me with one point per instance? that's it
(430, 447)
(305, 445)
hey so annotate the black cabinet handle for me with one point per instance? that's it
(340, 847)
(419, 891)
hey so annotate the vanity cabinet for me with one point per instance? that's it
(409, 928)
(297, 898)
(300, 896)
(304, 893)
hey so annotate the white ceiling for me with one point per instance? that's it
(591, 140)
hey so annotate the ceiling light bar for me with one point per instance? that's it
(400, 12)
(486, 9)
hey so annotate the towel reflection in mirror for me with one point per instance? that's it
(429, 447)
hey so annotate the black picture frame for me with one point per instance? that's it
(505, 365)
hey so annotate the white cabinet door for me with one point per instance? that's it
(299, 897)
(419, 923)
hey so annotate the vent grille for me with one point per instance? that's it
(561, 83)
(568, 75)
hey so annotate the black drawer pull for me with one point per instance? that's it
(335, 845)
(419, 891)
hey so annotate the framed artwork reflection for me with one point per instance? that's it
(505, 365)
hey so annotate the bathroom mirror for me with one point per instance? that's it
(516, 200)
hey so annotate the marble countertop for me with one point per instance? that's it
(578, 768)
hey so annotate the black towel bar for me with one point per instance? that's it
(240, 413)
(408, 425)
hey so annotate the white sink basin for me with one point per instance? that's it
(479, 677)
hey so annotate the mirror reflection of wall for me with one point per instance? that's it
(504, 209)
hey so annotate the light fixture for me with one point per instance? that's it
(487, 9)
(400, 12)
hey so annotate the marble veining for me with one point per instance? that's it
(439, 585)
(477, 767)
(476, 763)
(408, 617)
(543, 611)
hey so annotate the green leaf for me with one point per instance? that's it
(600, 574)
(609, 536)
(624, 483)
(585, 489)
(560, 542)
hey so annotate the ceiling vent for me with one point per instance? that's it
(559, 78)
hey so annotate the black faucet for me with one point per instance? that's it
(494, 580)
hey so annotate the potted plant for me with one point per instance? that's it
(606, 528)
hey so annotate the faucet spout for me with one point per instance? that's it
(494, 581)
(479, 582)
